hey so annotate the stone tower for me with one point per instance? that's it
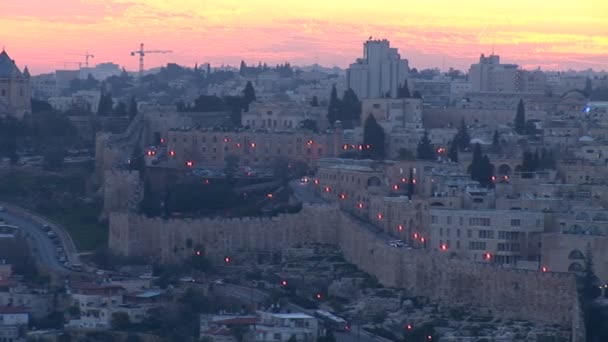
(15, 88)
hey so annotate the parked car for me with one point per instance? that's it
(46, 227)
(51, 234)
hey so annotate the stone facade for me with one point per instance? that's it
(122, 190)
(508, 293)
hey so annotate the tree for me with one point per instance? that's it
(231, 166)
(373, 139)
(105, 103)
(137, 162)
(425, 149)
(314, 102)
(404, 91)
(410, 184)
(292, 338)
(120, 321)
(333, 110)
(405, 154)
(520, 119)
(350, 107)
(463, 138)
(309, 124)
(588, 88)
(417, 95)
(496, 142)
(248, 94)
(481, 168)
(594, 315)
(453, 151)
(132, 108)
(121, 109)
(53, 158)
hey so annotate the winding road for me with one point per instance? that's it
(43, 248)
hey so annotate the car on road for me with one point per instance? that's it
(62, 259)
(219, 282)
(45, 227)
(396, 243)
(187, 279)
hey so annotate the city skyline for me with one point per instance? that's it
(567, 36)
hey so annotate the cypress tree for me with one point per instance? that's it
(333, 110)
(373, 136)
(404, 91)
(477, 164)
(410, 185)
(520, 119)
(249, 94)
(425, 150)
(463, 137)
(453, 151)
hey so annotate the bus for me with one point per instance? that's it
(332, 321)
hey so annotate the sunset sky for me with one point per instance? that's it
(552, 34)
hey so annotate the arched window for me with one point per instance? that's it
(600, 217)
(575, 267)
(576, 254)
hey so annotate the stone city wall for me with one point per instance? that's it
(512, 294)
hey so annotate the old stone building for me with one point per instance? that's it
(15, 89)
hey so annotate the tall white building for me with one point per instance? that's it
(380, 72)
(489, 75)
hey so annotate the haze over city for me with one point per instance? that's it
(555, 35)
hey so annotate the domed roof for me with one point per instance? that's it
(8, 69)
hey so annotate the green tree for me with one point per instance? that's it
(309, 124)
(411, 185)
(105, 103)
(463, 138)
(496, 142)
(453, 151)
(594, 315)
(132, 108)
(481, 168)
(137, 162)
(249, 94)
(314, 102)
(588, 88)
(373, 139)
(231, 165)
(520, 119)
(53, 158)
(121, 321)
(425, 149)
(121, 109)
(333, 110)
(405, 154)
(404, 91)
(350, 107)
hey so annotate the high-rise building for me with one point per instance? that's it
(379, 73)
(489, 75)
(15, 90)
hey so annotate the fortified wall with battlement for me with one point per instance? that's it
(548, 298)
(122, 191)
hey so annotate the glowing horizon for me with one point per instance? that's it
(554, 35)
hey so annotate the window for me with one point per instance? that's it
(515, 222)
(448, 231)
(486, 234)
(433, 219)
(277, 336)
(469, 233)
(440, 231)
(479, 221)
(458, 232)
(477, 245)
(376, 106)
(449, 219)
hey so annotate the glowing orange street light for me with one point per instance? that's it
(189, 163)
(162, 141)
(544, 269)
(345, 147)
(487, 256)
(403, 180)
(416, 236)
(396, 187)
(198, 253)
(269, 195)
(253, 145)
(318, 296)
(227, 260)
(316, 182)
(360, 205)
(226, 140)
(400, 227)
(413, 181)
(283, 282)
(409, 327)
(342, 196)
(238, 144)
(422, 239)
(172, 153)
(327, 189)
(443, 247)
(379, 216)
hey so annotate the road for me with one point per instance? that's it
(252, 295)
(43, 248)
(305, 192)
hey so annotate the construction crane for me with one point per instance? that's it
(86, 57)
(141, 52)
